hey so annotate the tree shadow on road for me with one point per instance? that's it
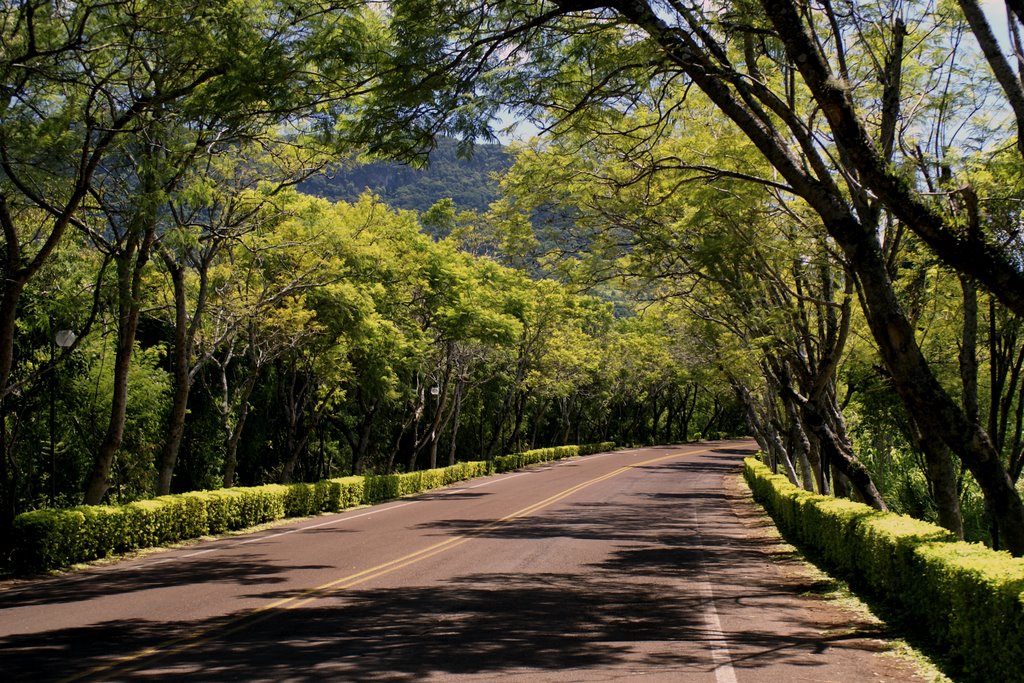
(250, 569)
(478, 624)
(641, 607)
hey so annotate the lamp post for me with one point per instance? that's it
(63, 339)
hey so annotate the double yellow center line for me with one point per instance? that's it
(200, 636)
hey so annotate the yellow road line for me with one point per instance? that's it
(257, 615)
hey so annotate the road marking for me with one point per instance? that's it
(715, 637)
(492, 481)
(329, 522)
(257, 539)
(724, 672)
(230, 625)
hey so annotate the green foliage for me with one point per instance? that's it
(52, 539)
(303, 500)
(516, 461)
(148, 389)
(346, 492)
(345, 315)
(47, 539)
(968, 598)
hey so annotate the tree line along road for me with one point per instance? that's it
(647, 564)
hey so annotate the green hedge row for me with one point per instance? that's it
(51, 539)
(507, 463)
(968, 598)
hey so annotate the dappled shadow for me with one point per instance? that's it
(481, 623)
(245, 570)
(640, 604)
(639, 514)
(708, 464)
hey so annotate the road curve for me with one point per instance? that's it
(646, 564)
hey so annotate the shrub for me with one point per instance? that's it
(379, 487)
(346, 492)
(51, 539)
(968, 598)
(300, 500)
(47, 539)
(507, 463)
(103, 531)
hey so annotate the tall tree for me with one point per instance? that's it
(760, 65)
(100, 82)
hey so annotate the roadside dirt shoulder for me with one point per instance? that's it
(840, 618)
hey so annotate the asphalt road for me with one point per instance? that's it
(646, 564)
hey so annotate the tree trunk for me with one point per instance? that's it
(299, 393)
(818, 465)
(942, 479)
(919, 390)
(518, 425)
(800, 444)
(8, 324)
(233, 432)
(716, 412)
(837, 450)
(184, 371)
(7, 491)
(182, 383)
(687, 410)
(359, 440)
(130, 265)
(455, 422)
(1008, 80)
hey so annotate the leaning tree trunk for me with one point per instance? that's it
(837, 450)
(942, 479)
(929, 404)
(918, 388)
(801, 444)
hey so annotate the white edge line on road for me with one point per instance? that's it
(488, 483)
(715, 638)
(327, 523)
(724, 672)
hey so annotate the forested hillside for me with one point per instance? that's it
(470, 181)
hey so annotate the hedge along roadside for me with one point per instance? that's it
(968, 598)
(53, 539)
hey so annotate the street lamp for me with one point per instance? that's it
(63, 339)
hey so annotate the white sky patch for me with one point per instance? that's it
(995, 12)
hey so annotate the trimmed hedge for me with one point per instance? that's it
(507, 463)
(968, 598)
(51, 539)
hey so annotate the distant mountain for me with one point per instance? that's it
(468, 182)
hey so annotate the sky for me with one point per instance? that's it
(510, 128)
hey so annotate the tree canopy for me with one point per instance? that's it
(799, 219)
